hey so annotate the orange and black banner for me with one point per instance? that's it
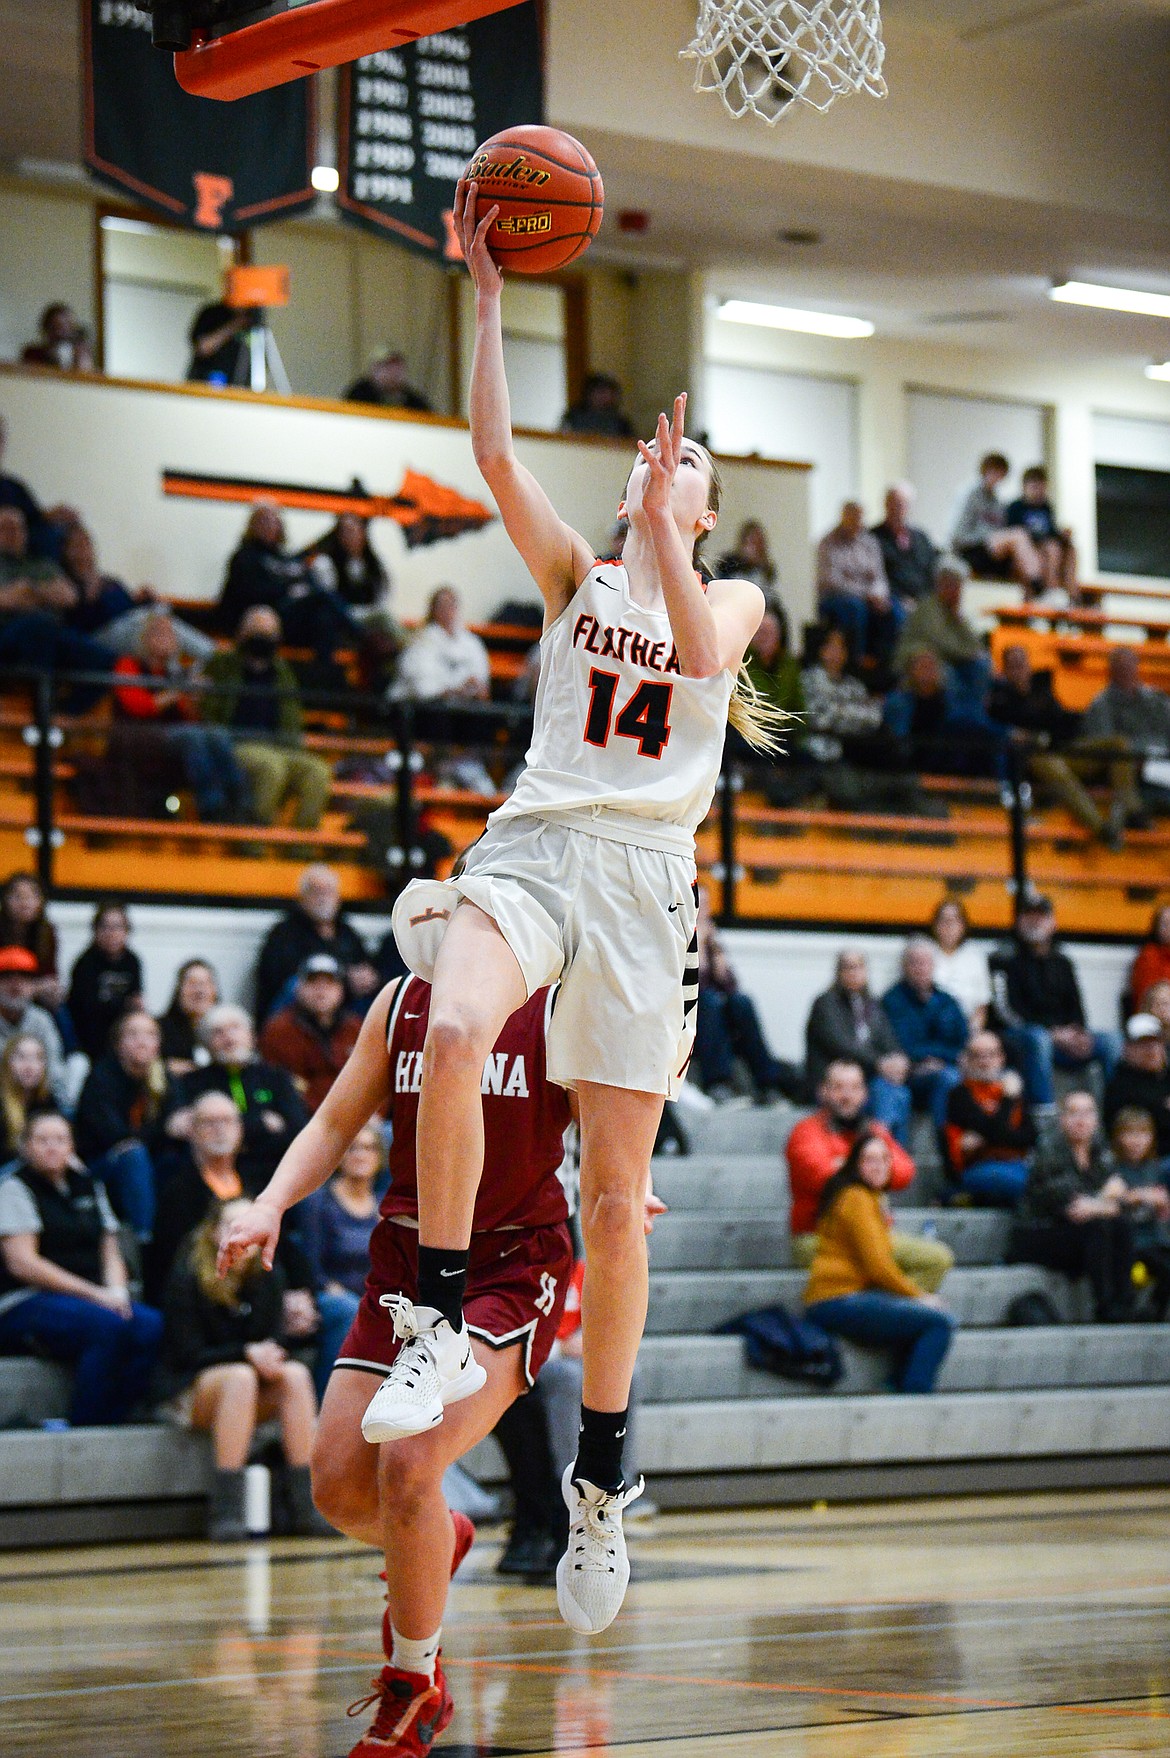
(409, 119)
(211, 166)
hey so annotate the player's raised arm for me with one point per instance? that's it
(556, 557)
(360, 1089)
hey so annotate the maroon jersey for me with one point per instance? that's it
(525, 1116)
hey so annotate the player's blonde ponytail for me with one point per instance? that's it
(757, 722)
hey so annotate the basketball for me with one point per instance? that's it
(549, 194)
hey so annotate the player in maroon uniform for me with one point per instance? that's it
(390, 1495)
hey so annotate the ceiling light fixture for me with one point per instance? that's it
(325, 178)
(1129, 299)
(1159, 369)
(785, 317)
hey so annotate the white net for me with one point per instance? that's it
(763, 56)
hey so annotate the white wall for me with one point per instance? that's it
(102, 446)
(783, 971)
(947, 435)
(1120, 439)
(789, 415)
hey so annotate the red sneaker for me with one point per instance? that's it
(411, 1714)
(464, 1539)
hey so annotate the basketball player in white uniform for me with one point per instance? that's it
(585, 875)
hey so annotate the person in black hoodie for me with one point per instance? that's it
(1141, 1080)
(262, 572)
(225, 1369)
(1037, 1005)
(315, 923)
(104, 981)
(266, 1096)
(121, 1114)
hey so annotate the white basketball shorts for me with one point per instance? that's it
(614, 922)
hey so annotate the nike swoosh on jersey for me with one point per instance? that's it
(406, 1015)
(670, 908)
(450, 1272)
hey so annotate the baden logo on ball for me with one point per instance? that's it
(549, 193)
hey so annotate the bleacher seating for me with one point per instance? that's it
(1042, 1406)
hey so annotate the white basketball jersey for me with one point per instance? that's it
(623, 744)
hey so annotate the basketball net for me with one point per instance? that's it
(763, 56)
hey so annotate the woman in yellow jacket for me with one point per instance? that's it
(855, 1288)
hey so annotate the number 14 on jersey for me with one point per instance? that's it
(645, 716)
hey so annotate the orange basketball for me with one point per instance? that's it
(549, 194)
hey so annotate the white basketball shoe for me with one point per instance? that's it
(434, 1367)
(594, 1572)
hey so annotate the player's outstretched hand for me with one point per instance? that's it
(256, 1228)
(663, 457)
(472, 235)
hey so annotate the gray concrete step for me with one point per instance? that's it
(730, 1129)
(740, 1237)
(32, 1392)
(700, 1300)
(700, 1368)
(786, 1433)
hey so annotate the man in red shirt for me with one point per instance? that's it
(816, 1148)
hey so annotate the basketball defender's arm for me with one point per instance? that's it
(556, 557)
(361, 1088)
(711, 629)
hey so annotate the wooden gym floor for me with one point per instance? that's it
(1035, 1625)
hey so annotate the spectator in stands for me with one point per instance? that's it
(937, 622)
(336, 1223)
(774, 668)
(35, 597)
(848, 1022)
(64, 342)
(1141, 1080)
(1156, 1000)
(120, 1114)
(312, 1037)
(195, 993)
(727, 1026)
(1129, 709)
(272, 1109)
(1060, 760)
(43, 537)
(818, 1147)
(857, 761)
(195, 1182)
(959, 966)
(599, 410)
(226, 1369)
(255, 694)
(24, 1090)
(1038, 1005)
(106, 979)
(219, 345)
(445, 662)
(855, 1288)
(1032, 512)
(982, 538)
(1073, 1216)
(23, 922)
(942, 730)
(64, 1284)
(106, 609)
(345, 561)
(931, 1028)
(387, 386)
(262, 572)
(908, 555)
(20, 1016)
(315, 923)
(1152, 964)
(989, 1131)
(751, 560)
(852, 588)
(1147, 1178)
(205, 753)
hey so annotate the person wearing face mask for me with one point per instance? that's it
(255, 694)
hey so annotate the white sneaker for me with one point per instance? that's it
(434, 1367)
(594, 1572)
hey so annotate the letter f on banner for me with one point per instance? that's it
(212, 194)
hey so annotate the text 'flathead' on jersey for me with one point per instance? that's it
(623, 644)
(504, 1077)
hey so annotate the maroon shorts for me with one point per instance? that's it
(516, 1285)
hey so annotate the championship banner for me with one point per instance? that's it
(210, 166)
(411, 117)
